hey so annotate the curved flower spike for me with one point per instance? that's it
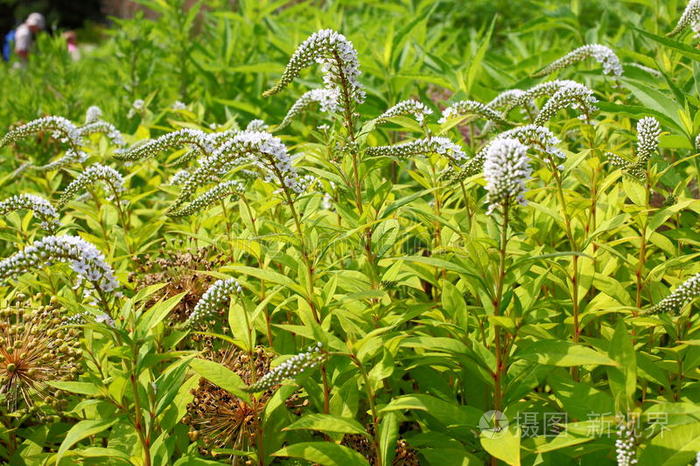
(327, 99)
(94, 173)
(68, 159)
(339, 62)
(435, 145)
(690, 16)
(237, 151)
(217, 193)
(406, 107)
(467, 107)
(576, 96)
(674, 302)
(84, 258)
(59, 127)
(41, 207)
(178, 138)
(602, 54)
(534, 136)
(107, 129)
(291, 368)
(214, 299)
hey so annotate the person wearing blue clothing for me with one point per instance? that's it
(20, 40)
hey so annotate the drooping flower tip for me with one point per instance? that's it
(83, 257)
(339, 63)
(506, 170)
(685, 293)
(214, 299)
(690, 16)
(471, 107)
(215, 194)
(433, 145)
(602, 54)
(93, 114)
(290, 368)
(42, 208)
(406, 107)
(94, 173)
(326, 98)
(183, 137)
(571, 95)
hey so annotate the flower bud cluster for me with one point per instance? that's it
(506, 170)
(93, 114)
(41, 207)
(406, 107)
(602, 54)
(257, 125)
(467, 107)
(674, 302)
(433, 145)
(91, 175)
(217, 193)
(83, 257)
(626, 444)
(291, 368)
(182, 137)
(573, 95)
(690, 16)
(533, 136)
(59, 127)
(105, 128)
(69, 158)
(338, 59)
(648, 133)
(327, 99)
(214, 299)
(179, 178)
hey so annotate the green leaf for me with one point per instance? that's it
(220, 376)
(673, 446)
(449, 414)
(504, 445)
(388, 434)
(623, 379)
(158, 311)
(81, 430)
(563, 354)
(81, 388)
(324, 453)
(328, 423)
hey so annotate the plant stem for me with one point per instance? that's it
(497, 301)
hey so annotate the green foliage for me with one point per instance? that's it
(384, 312)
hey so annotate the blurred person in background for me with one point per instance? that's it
(71, 39)
(21, 39)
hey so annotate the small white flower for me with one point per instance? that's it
(690, 16)
(215, 298)
(41, 207)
